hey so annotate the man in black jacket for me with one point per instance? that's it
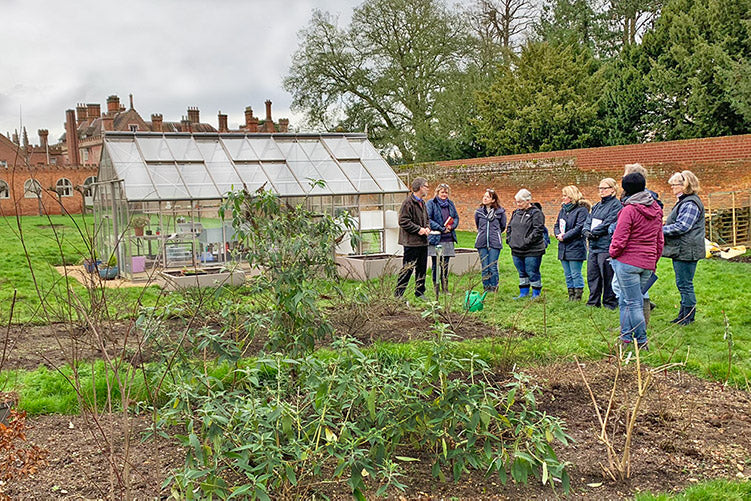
(414, 229)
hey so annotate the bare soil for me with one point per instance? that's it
(688, 430)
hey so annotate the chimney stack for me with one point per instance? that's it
(43, 138)
(108, 122)
(268, 110)
(156, 122)
(71, 136)
(113, 105)
(284, 125)
(131, 101)
(185, 125)
(193, 114)
(93, 110)
(81, 111)
(222, 118)
(251, 122)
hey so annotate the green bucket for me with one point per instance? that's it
(474, 301)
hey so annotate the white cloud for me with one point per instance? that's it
(170, 54)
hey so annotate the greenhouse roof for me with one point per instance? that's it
(183, 166)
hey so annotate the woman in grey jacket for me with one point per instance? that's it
(490, 219)
(596, 229)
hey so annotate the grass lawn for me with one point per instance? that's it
(565, 329)
(28, 256)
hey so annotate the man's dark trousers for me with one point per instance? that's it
(414, 258)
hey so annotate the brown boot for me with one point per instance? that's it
(570, 294)
(578, 294)
(647, 312)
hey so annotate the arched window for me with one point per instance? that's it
(88, 190)
(32, 189)
(64, 187)
(4, 189)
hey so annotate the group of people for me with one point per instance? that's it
(621, 238)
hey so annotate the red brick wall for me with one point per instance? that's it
(47, 178)
(722, 164)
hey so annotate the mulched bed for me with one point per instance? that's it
(689, 430)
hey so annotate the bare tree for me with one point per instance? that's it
(502, 21)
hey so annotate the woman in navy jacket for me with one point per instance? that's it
(441, 211)
(490, 219)
(572, 246)
(597, 230)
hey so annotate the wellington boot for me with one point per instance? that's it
(689, 316)
(578, 294)
(681, 315)
(536, 291)
(647, 313)
(523, 292)
(570, 293)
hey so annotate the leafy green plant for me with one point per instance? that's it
(292, 245)
(270, 427)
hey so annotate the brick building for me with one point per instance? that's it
(82, 141)
(55, 178)
(35, 180)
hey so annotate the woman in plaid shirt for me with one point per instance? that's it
(684, 240)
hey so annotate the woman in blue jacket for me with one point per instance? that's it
(596, 229)
(572, 246)
(490, 219)
(443, 219)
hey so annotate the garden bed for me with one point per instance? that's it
(689, 430)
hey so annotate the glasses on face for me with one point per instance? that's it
(676, 184)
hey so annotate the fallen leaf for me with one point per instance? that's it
(595, 484)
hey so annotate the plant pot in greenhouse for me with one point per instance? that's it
(109, 272)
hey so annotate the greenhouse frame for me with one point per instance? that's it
(157, 195)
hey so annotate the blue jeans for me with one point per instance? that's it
(573, 272)
(489, 260)
(631, 279)
(529, 270)
(684, 280)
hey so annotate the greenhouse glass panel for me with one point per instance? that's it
(282, 180)
(212, 151)
(335, 179)
(199, 182)
(252, 175)
(167, 182)
(359, 176)
(225, 176)
(314, 149)
(239, 149)
(266, 148)
(383, 175)
(340, 147)
(154, 149)
(184, 149)
(137, 180)
(123, 151)
(303, 169)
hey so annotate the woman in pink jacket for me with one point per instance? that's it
(635, 249)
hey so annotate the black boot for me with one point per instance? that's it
(570, 294)
(689, 315)
(578, 294)
(680, 316)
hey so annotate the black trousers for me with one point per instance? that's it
(415, 258)
(600, 281)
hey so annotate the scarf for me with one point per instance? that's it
(442, 203)
(569, 206)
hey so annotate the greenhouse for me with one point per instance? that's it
(157, 195)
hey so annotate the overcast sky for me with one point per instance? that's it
(170, 54)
